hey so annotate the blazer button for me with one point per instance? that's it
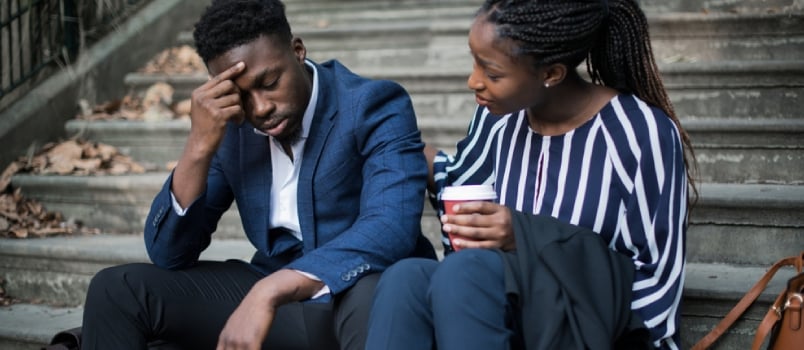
(345, 277)
(352, 273)
(366, 267)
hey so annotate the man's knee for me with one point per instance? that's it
(112, 282)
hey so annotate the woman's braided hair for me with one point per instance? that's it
(611, 35)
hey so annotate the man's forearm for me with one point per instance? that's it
(286, 286)
(190, 175)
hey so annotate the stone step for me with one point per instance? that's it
(57, 270)
(31, 326)
(154, 144)
(746, 224)
(422, 39)
(327, 8)
(115, 204)
(390, 13)
(728, 150)
(711, 290)
(726, 215)
(728, 89)
(120, 204)
(730, 6)
(717, 37)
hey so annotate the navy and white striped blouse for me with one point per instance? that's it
(620, 174)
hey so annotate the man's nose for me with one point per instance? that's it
(260, 105)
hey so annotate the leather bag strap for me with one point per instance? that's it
(747, 300)
(773, 315)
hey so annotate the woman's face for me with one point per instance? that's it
(501, 82)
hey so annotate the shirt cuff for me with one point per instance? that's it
(176, 206)
(321, 292)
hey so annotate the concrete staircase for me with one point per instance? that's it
(734, 71)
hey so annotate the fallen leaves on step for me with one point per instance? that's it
(78, 157)
(155, 104)
(176, 60)
(22, 217)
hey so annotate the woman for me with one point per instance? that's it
(608, 155)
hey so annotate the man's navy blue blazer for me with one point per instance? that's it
(360, 190)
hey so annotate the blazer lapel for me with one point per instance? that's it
(320, 128)
(255, 170)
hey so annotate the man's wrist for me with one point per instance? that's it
(285, 286)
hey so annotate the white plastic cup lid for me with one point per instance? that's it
(469, 193)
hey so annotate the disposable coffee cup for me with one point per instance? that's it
(453, 195)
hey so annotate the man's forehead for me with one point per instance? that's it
(264, 51)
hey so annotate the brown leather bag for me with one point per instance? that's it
(784, 318)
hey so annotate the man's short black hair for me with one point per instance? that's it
(227, 24)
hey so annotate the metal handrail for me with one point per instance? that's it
(33, 35)
(37, 35)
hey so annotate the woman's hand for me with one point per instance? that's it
(480, 225)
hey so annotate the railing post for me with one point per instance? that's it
(72, 35)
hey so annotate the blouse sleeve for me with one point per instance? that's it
(473, 162)
(654, 230)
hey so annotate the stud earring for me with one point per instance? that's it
(546, 84)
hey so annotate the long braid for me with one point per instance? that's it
(624, 60)
(611, 35)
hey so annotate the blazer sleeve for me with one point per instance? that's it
(392, 194)
(174, 241)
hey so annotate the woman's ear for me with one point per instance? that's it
(554, 74)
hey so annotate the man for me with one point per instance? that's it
(328, 175)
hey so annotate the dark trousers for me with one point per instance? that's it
(130, 306)
(459, 303)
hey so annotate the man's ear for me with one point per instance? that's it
(298, 49)
(554, 74)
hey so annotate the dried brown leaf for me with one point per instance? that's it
(108, 107)
(171, 165)
(60, 166)
(87, 164)
(67, 150)
(19, 233)
(105, 151)
(182, 107)
(176, 60)
(5, 178)
(118, 169)
(50, 231)
(158, 94)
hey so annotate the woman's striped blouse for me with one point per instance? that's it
(620, 174)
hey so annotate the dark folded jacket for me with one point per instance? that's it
(568, 289)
